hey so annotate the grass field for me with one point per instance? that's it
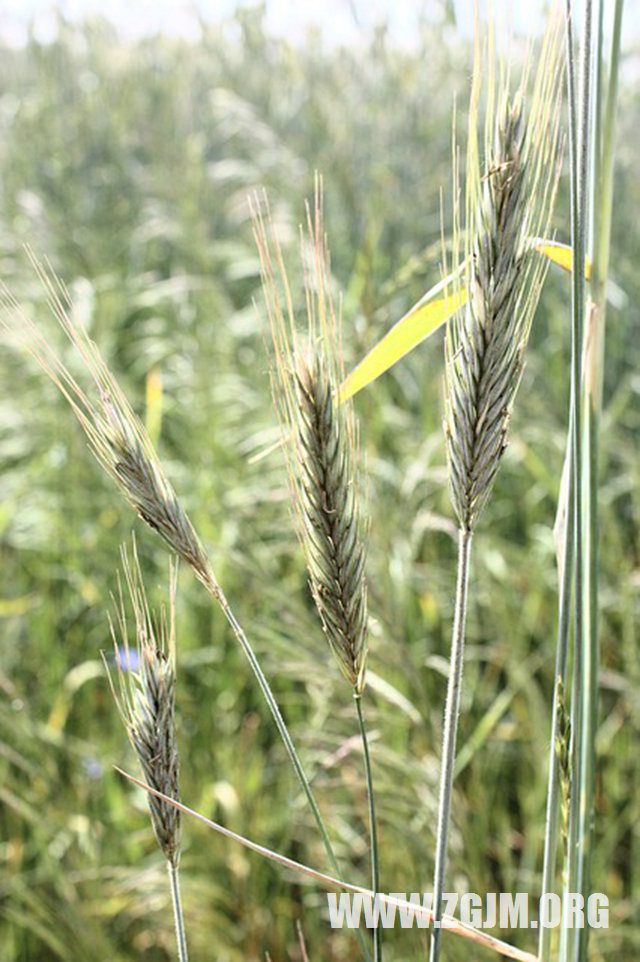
(129, 165)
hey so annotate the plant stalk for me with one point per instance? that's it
(451, 712)
(280, 725)
(561, 667)
(375, 879)
(579, 114)
(178, 917)
(601, 200)
(286, 738)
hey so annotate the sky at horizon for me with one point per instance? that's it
(347, 18)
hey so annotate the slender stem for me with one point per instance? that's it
(601, 200)
(280, 725)
(589, 683)
(178, 917)
(590, 658)
(451, 712)
(373, 831)
(562, 659)
(286, 738)
(579, 182)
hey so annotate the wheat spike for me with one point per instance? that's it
(334, 551)
(563, 754)
(145, 696)
(122, 446)
(117, 437)
(321, 443)
(509, 200)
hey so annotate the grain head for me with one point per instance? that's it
(145, 696)
(117, 437)
(320, 441)
(508, 205)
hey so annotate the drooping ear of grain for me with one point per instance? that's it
(118, 439)
(122, 446)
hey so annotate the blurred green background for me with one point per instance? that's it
(128, 164)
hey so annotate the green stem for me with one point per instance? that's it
(601, 200)
(178, 917)
(452, 709)
(589, 680)
(280, 725)
(377, 940)
(579, 155)
(286, 738)
(562, 659)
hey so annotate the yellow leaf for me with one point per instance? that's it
(427, 316)
(562, 255)
(423, 319)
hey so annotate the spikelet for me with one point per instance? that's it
(145, 696)
(562, 749)
(321, 443)
(509, 201)
(117, 438)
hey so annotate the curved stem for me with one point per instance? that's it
(178, 917)
(451, 712)
(280, 725)
(286, 738)
(377, 940)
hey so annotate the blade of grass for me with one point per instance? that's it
(571, 541)
(452, 924)
(424, 319)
